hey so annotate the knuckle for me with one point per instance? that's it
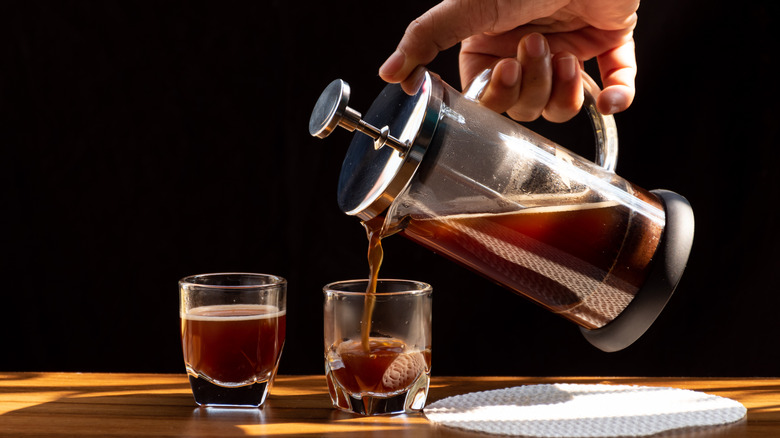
(524, 114)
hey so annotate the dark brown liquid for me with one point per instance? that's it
(386, 367)
(233, 344)
(584, 262)
(375, 255)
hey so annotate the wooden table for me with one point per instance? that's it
(160, 405)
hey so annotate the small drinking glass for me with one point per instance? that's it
(232, 334)
(384, 368)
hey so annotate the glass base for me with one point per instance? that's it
(411, 400)
(210, 394)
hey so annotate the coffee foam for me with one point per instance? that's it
(527, 210)
(233, 312)
(403, 371)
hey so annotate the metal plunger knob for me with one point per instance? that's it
(331, 110)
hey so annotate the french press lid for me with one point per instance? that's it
(379, 164)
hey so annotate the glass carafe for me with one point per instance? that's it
(490, 194)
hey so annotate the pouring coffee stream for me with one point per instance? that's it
(488, 193)
(375, 255)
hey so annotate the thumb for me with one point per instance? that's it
(440, 28)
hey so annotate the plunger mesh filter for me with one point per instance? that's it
(580, 410)
(403, 371)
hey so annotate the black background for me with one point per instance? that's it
(145, 141)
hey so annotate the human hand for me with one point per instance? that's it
(536, 50)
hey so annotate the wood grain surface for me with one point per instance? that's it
(161, 405)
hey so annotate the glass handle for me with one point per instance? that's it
(604, 126)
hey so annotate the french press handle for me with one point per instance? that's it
(603, 125)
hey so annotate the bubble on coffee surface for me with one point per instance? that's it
(403, 371)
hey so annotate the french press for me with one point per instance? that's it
(490, 194)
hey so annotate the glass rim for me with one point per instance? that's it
(192, 280)
(419, 289)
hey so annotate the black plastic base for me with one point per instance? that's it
(667, 269)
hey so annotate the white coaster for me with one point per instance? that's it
(575, 410)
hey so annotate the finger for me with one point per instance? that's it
(536, 82)
(451, 22)
(504, 87)
(618, 73)
(566, 97)
(411, 85)
(473, 64)
(439, 28)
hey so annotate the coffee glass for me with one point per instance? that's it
(232, 334)
(384, 368)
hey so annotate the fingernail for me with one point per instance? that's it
(393, 64)
(566, 67)
(509, 73)
(614, 102)
(535, 45)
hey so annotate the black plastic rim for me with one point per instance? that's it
(664, 275)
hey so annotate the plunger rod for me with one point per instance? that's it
(352, 120)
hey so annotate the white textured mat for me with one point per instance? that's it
(576, 410)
